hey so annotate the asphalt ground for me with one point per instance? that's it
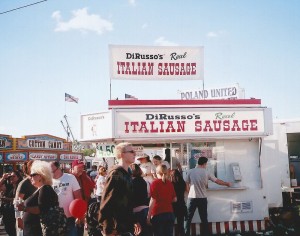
(2, 231)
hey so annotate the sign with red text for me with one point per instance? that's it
(16, 156)
(179, 123)
(156, 63)
(43, 156)
(70, 157)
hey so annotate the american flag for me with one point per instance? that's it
(129, 97)
(70, 98)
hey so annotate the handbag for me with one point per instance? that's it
(54, 222)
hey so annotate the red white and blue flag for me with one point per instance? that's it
(129, 97)
(70, 98)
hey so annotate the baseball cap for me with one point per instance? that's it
(142, 156)
(77, 163)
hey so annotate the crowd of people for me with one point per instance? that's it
(128, 199)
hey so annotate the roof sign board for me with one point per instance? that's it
(227, 92)
(156, 63)
(43, 142)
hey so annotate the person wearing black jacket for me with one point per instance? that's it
(179, 207)
(11, 181)
(116, 209)
(140, 198)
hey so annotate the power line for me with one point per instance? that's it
(23, 7)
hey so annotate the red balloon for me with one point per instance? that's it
(78, 208)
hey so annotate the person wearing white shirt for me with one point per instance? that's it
(67, 188)
(100, 182)
(157, 160)
(147, 168)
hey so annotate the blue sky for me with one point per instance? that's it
(61, 46)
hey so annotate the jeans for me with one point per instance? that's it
(141, 217)
(162, 224)
(71, 227)
(201, 204)
(80, 229)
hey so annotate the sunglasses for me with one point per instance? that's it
(33, 174)
(131, 151)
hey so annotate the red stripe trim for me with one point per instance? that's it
(243, 226)
(218, 227)
(210, 228)
(259, 222)
(112, 103)
(193, 229)
(226, 225)
(250, 225)
(234, 225)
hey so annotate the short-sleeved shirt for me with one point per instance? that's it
(163, 193)
(175, 163)
(25, 187)
(148, 168)
(64, 188)
(100, 185)
(198, 180)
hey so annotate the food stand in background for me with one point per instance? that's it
(230, 133)
(6, 145)
(15, 151)
(286, 145)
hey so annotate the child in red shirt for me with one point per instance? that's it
(162, 194)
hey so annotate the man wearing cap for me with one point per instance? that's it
(197, 181)
(67, 188)
(116, 208)
(86, 185)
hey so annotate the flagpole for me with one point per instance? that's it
(109, 88)
(203, 88)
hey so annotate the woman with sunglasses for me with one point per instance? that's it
(40, 201)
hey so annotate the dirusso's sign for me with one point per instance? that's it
(156, 63)
(188, 122)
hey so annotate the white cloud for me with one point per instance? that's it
(144, 26)
(215, 34)
(132, 2)
(82, 21)
(161, 41)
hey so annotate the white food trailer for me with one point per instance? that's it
(286, 146)
(230, 133)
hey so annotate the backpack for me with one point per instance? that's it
(92, 219)
(54, 222)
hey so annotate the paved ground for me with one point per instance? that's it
(2, 231)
